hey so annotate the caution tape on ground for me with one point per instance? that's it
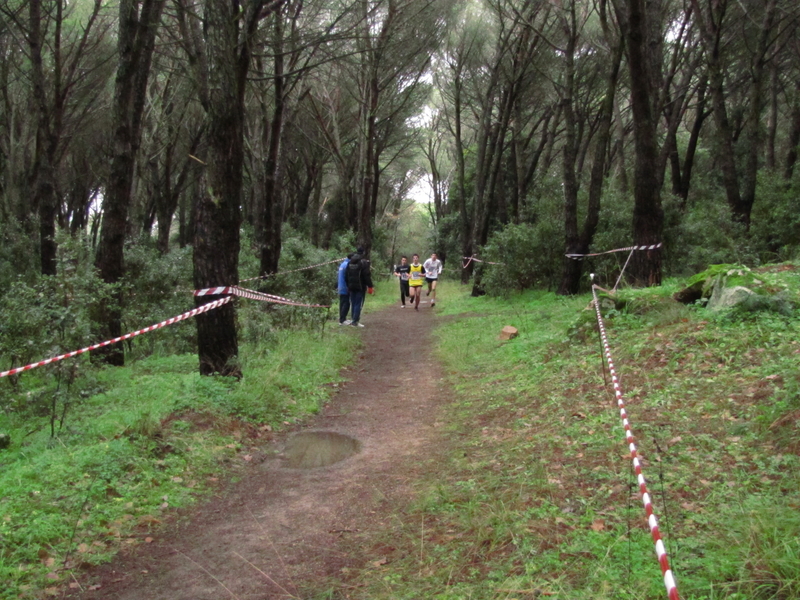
(652, 521)
(629, 248)
(187, 315)
(253, 295)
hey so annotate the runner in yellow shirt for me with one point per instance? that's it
(416, 279)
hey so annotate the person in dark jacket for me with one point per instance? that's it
(359, 280)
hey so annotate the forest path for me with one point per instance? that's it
(282, 532)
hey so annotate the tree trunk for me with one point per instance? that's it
(794, 135)
(216, 243)
(772, 122)
(318, 173)
(461, 177)
(580, 244)
(272, 218)
(691, 147)
(136, 40)
(570, 268)
(753, 125)
(44, 188)
(648, 216)
(741, 199)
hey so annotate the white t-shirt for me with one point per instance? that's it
(432, 268)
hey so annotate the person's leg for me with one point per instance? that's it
(417, 295)
(428, 281)
(356, 301)
(344, 307)
(402, 294)
(433, 291)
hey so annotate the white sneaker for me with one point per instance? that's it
(402, 306)
(356, 324)
(347, 322)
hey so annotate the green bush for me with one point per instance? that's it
(528, 259)
(18, 255)
(704, 235)
(51, 314)
(157, 287)
(775, 220)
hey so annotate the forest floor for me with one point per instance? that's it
(284, 532)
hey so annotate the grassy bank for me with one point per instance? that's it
(538, 498)
(86, 477)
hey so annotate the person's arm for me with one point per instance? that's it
(366, 273)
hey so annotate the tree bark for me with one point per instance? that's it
(272, 218)
(580, 243)
(794, 135)
(772, 121)
(691, 147)
(138, 27)
(648, 215)
(570, 270)
(44, 187)
(228, 33)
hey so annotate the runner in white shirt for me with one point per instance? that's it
(433, 268)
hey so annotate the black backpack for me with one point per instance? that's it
(353, 275)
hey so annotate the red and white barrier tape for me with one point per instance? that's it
(582, 256)
(661, 552)
(253, 295)
(472, 258)
(330, 262)
(187, 315)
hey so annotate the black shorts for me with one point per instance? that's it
(431, 279)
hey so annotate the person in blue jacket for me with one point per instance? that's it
(359, 280)
(344, 293)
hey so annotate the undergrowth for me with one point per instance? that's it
(537, 497)
(145, 439)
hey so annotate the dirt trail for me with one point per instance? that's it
(281, 531)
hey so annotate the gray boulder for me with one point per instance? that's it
(727, 297)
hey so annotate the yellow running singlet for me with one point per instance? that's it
(417, 277)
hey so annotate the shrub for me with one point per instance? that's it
(156, 287)
(775, 220)
(529, 258)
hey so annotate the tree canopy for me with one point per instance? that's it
(583, 124)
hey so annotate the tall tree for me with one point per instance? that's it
(139, 21)
(578, 242)
(648, 214)
(60, 67)
(221, 56)
(714, 21)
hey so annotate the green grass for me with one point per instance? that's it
(153, 436)
(537, 498)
